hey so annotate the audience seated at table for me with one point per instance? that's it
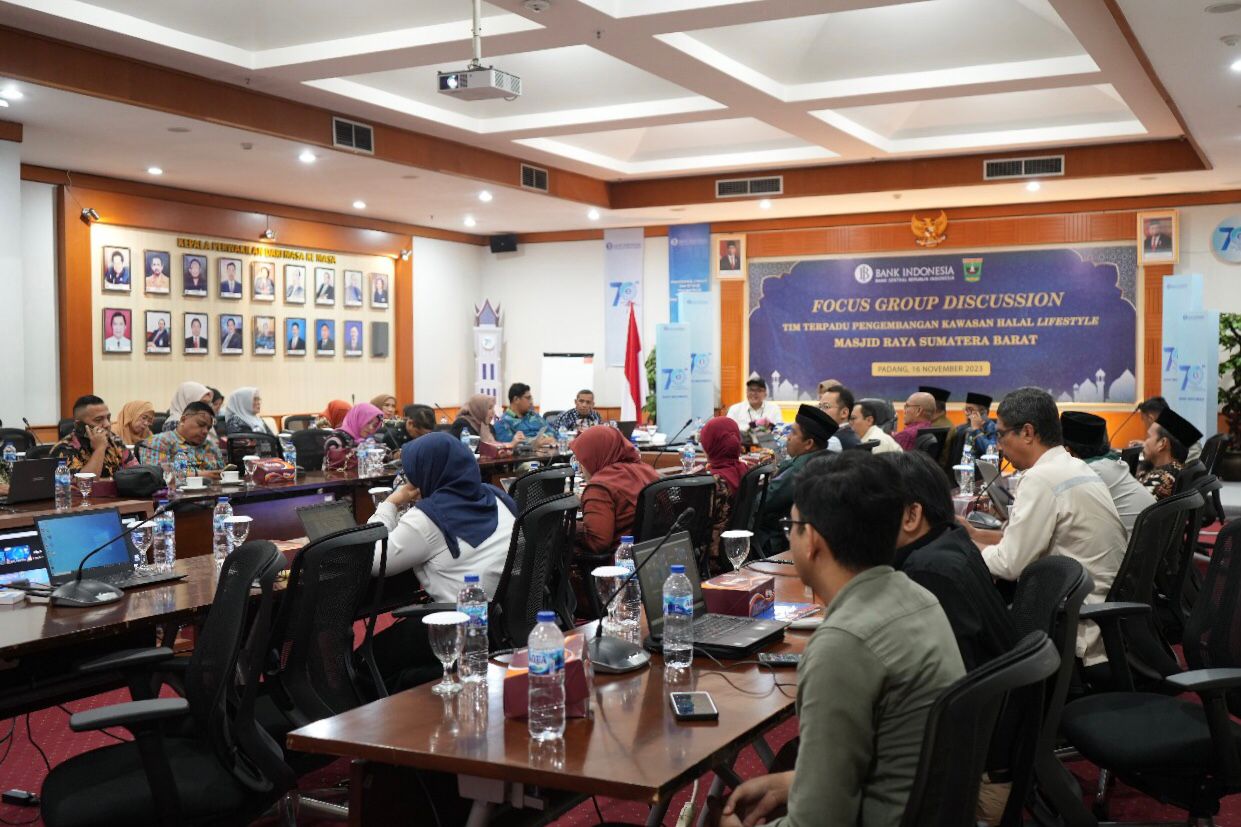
(721, 440)
(520, 422)
(133, 425)
(1165, 452)
(581, 415)
(863, 421)
(241, 414)
(809, 435)
(1062, 507)
(386, 402)
(190, 437)
(939, 418)
(92, 447)
(476, 416)
(1149, 410)
(756, 410)
(614, 474)
(456, 526)
(919, 410)
(979, 427)
(1085, 437)
(837, 402)
(870, 672)
(333, 414)
(186, 393)
(363, 420)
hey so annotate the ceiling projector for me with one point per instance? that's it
(475, 83)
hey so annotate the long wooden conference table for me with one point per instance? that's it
(631, 748)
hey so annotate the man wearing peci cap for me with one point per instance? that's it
(979, 427)
(940, 418)
(812, 428)
(1085, 437)
(1166, 450)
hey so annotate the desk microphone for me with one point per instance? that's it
(441, 411)
(1122, 425)
(84, 593)
(612, 655)
(669, 444)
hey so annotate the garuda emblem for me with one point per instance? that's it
(930, 232)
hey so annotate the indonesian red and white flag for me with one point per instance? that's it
(635, 374)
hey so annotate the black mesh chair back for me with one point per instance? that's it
(244, 444)
(548, 416)
(1211, 450)
(309, 446)
(297, 422)
(22, 439)
(960, 728)
(42, 451)
(869, 446)
(931, 441)
(888, 414)
(751, 496)
(1193, 471)
(330, 579)
(157, 424)
(1213, 632)
(539, 486)
(661, 502)
(220, 428)
(536, 573)
(65, 427)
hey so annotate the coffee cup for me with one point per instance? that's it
(230, 476)
(195, 482)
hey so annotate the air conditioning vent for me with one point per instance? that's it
(1041, 167)
(353, 135)
(743, 187)
(533, 178)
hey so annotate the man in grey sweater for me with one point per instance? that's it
(870, 672)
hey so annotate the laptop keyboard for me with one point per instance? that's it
(133, 580)
(714, 626)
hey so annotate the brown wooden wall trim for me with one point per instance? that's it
(403, 340)
(10, 131)
(651, 231)
(73, 302)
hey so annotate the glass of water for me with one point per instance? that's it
(379, 493)
(85, 481)
(446, 631)
(607, 581)
(238, 529)
(251, 462)
(141, 537)
(736, 544)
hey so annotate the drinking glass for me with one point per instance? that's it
(251, 462)
(651, 429)
(446, 631)
(85, 481)
(379, 493)
(607, 581)
(239, 529)
(737, 546)
(141, 538)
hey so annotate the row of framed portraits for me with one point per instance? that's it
(197, 337)
(354, 287)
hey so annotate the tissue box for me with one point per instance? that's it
(578, 681)
(744, 593)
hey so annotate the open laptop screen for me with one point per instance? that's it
(21, 557)
(328, 518)
(678, 549)
(67, 538)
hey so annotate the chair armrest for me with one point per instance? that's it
(1104, 611)
(127, 659)
(1206, 680)
(420, 609)
(134, 714)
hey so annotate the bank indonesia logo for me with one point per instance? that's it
(676, 379)
(863, 274)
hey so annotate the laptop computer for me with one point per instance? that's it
(626, 427)
(68, 538)
(323, 519)
(721, 636)
(1000, 498)
(32, 479)
(21, 558)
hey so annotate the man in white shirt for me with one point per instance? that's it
(1061, 507)
(863, 421)
(755, 409)
(1085, 437)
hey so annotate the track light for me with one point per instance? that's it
(268, 235)
(89, 215)
(405, 254)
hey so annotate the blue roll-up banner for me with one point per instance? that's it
(1190, 357)
(672, 377)
(696, 311)
(622, 276)
(689, 264)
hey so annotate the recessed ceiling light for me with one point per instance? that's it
(469, 221)
(359, 205)
(1236, 66)
(592, 214)
(4, 104)
(765, 204)
(485, 196)
(307, 157)
(179, 129)
(1033, 186)
(154, 171)
(1222, 8)
(11, 93)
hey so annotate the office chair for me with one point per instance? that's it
(65, 427)
(869, 446)
(297, 422)
(1178, 580)
(22, 439)
(751, 496)
(157, 424)
(889, 413)
(540, 485)
(661, 502)
(309, 446)
(931, 441)
(243, 444)
(41, 451)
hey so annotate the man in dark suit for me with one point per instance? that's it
(230, 339)
(230, 287)
(159, 336)
(1158, 239)
(730, 260)
(196, 340)
(325, 341)
(296, 342)
(326, 291)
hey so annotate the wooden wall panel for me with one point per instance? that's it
(1152, 327)
(732, 341)
(74, 312)
(403, 332)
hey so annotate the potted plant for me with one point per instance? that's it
(1229, 467)
(649, 407)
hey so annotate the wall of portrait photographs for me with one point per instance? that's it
(302, 331)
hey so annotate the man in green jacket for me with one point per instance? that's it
(812, 428)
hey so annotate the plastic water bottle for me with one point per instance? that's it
(10, 454)
(472, 601)
(546, 699)
(289, 452)
(687, 457)
(180, 469)
(678, 619)
(966, 481)
(629, 610)
(221, 537)
(465, 438)
(165, 547)
(64, 486)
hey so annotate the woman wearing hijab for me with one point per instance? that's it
(186, 393)
(614, 473)
(241, 413)
(476, 415)
(134, 424)
(333, 414)
(386, 402)
(362, 421)
(721, 440)
(457, 526)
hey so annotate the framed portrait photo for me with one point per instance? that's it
(1158, 237)
(159, 331)
(157, 272)
(263, 281)
(353, 288)
(118, 332)
(193, 275)
(353, 338)
(294, 337)
(730, 258)
(229, 270)
(325, 337)
(379, 290)
(294, 284)
(325, 286)
(379, 338)
(264, 335)
(232, 334)
(116, 269)
(196, 342)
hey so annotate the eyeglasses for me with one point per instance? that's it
(787, 524)
(1000, 433)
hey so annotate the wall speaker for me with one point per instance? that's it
(504, 243)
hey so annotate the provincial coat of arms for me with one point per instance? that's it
(930, 232)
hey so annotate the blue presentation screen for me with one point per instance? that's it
(67, 539)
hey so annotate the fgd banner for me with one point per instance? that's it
(1060, 319)
(1190, 357)
(622, 277)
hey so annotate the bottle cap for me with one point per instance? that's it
(162, 503)
(221, 499)
(546, 617)
(626, 538)
(677, 568)
(471, 578)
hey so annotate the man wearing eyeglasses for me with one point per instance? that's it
(1062, 507)
(918, 412)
